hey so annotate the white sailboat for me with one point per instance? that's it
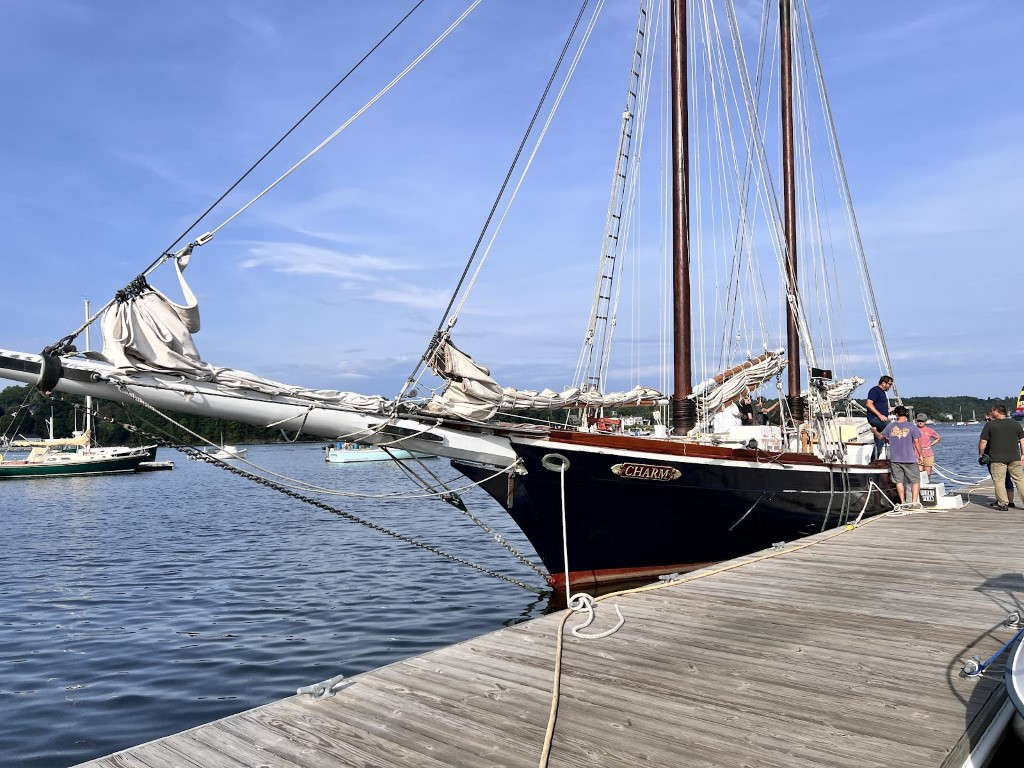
(704, 486)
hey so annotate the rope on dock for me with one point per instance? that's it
(559, 643)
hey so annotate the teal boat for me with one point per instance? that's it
(345, 453)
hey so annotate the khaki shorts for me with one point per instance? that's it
(904, 474)
(927, 461)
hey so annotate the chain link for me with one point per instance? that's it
(195, 453)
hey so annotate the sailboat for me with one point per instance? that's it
(603, 507)
(73, 456)
(225, 452)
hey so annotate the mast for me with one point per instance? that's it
(88, 399)
(684, 411)
(789, 205)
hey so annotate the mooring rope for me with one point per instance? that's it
(733, 565)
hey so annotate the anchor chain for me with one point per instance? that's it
(195, 453)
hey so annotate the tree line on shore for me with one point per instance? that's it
(26, 412)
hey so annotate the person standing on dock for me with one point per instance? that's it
(1003, 440)
(904, 456)
(929, 439)
(877, 406)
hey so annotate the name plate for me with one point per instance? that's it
(646, 472)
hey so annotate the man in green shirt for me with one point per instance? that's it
(1003, 440)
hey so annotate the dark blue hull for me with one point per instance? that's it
(632, 515)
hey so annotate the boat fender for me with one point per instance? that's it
(50, 372)
(555, 462)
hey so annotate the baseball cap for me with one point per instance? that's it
(922, 417)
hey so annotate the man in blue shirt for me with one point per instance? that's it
(877, 405)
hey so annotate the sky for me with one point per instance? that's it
(124, 121)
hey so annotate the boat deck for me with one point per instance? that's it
(844, 649)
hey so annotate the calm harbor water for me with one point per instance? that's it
(137, 606)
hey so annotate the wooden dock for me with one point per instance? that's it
(844, 649)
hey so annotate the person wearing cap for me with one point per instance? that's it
(929, 439)
(904, 456)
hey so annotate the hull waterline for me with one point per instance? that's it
(17, 470)
(633, 514)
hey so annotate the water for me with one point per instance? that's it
(956, 456)
(138, 606)
(132, 607)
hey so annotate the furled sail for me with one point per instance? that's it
(144, 331)
(714, 393)
(472, 393)
(54, 442)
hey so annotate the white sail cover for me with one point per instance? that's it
(712, 394)
(840, 390)
(145, 331)
(54, 442)
(149, 332)
(472, 393)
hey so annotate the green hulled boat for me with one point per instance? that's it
(69, 457)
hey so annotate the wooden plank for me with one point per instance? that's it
(845, 653)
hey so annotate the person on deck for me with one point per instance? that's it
(877, 405)
(746, 408)
(1003, 440)
(904, 456)
(929, 439)
(765, 411)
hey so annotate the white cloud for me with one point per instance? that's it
(410, 295)
(302, 259)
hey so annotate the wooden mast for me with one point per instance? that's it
(684, 411)
(789, 203)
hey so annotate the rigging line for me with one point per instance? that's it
(294, 482)
(359, 113)
(497, 200)
(195, 453)
(163, 256)
(496, 535)
(876, 322)
(299, 122)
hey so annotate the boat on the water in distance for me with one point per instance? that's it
(69, 457)
(349, 453)
(604, 506)
(225, 452)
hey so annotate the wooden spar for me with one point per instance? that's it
(683, 410)
(729, 373)
(789, 191)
